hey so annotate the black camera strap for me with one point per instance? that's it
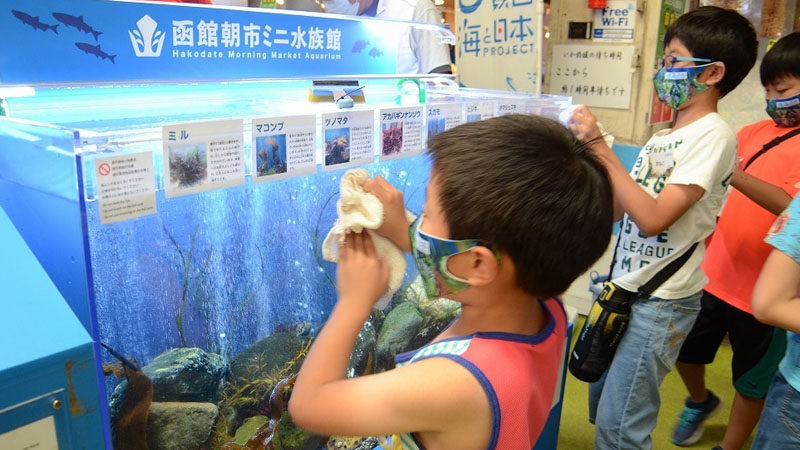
(659, 278)
(773, 143)
(664, 274)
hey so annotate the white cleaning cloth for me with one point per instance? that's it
(359, 210)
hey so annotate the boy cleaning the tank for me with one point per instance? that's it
(670, 201)
(764, 183)
(502, 232)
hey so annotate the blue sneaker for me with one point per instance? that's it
(690, 424)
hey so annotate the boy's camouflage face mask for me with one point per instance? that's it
(785, 111)
(677, 85)
(431, 255)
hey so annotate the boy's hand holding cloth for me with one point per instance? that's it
(359, 210)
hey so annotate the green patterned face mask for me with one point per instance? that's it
(677, 85)
(785, 111)
(431, 255)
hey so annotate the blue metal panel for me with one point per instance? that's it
(47, 356)
(42, 204)
(627, 154)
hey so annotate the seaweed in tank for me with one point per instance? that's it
(130, 427)
(243, 294)
(317, 239)
(263, 438)
(247, 295)
(198, 299)
(186, 265)
(280, 432)
(242, 397)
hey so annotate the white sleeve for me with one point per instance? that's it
(427, 45)
(708, 161)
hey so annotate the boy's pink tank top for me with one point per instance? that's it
(519, 373)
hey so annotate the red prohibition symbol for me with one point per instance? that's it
(104, 169)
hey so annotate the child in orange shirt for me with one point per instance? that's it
(764, 183)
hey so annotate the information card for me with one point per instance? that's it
(442, 117)
(510, 106)
(202, 156)
(597, 75)
(348, 138)
(481, 110)
(126, 186)
(283, 147)
(548, 109)
(401, 132)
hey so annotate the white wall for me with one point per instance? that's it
(626, 125)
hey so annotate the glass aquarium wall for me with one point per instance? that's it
(184, 225)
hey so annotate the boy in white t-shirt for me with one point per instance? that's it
(670, 202)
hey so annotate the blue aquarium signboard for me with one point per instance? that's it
(60, 41)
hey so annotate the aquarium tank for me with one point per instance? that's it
(183, 219)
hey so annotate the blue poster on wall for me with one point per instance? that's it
(499, 44)
(68, 41)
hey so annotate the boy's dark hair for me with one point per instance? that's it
(782, 60)
(719, 35)
(530, 188)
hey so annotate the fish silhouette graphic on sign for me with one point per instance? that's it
(360, 45)
(27, 19)
(375, 52)
(95, 50)
(77, 23)
(147, 40)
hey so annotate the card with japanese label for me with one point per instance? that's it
(126, 186)
(348, 138)
(202, 156)
(284, 147)
(442, 116)
(401, 132)
(544, 108)
(480, 110)
(505, 106)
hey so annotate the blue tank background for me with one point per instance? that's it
(254, 262)
(255, 249)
